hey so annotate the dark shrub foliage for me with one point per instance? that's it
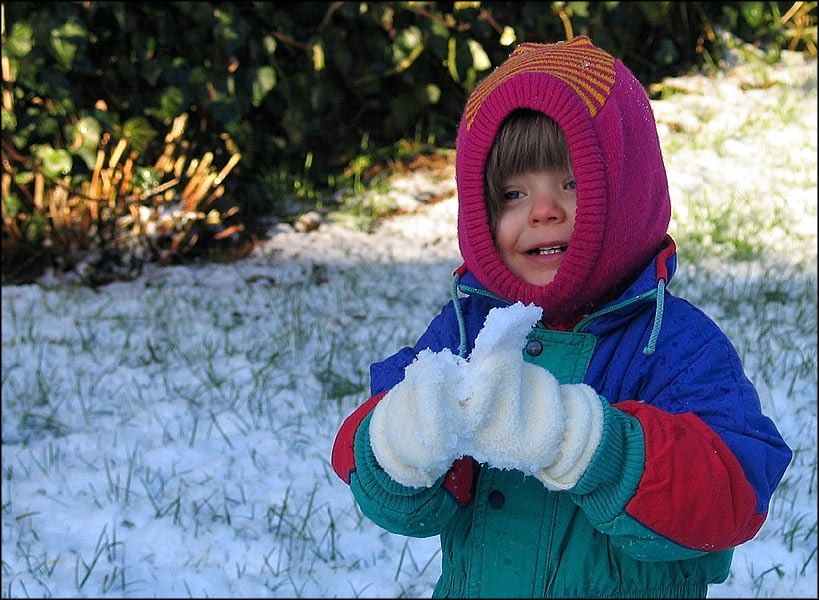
(301, 89)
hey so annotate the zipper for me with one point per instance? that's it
(467, 289)
(545, 566)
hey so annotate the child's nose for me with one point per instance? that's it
(546, 207)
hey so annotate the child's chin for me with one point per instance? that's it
(539, 270)
(539, 279)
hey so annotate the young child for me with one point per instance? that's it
(566, 425)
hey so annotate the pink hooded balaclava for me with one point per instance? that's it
(623, 207)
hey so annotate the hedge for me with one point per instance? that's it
(301, 91)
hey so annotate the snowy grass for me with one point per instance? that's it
(171, 436)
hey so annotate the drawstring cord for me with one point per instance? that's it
(648, 350)
(459, 315)
(658, 319)
(662, 276)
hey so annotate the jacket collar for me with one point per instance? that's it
(648, 286)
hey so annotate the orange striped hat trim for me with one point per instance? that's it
(588, 70)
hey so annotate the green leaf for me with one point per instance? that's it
(9, 120)
(54, 162)
(433, 93)
(88, 129)
(451, 59)
(88, 156)
(24, 177)
(752, 12)
(270, 44)
(293, 123)
(459, 6)
(152, 70)
(480, 60)
(508, 36)
(19, 42)
(139, 133)
(318, 57)
(655, 12)
(408, 45)
(460, 62)
(170, 105)
(65, 41)
(13, 204)
(47, 127)
(406, 40)
(263, 82)
(145, 178)
(578, 9)
(36, 227)
(198, 76)
(667, 53)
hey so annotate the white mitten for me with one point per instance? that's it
(416, 428)
(582, 431)
(523, 418)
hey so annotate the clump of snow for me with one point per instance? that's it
(505, 328)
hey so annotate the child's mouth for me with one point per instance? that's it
(548, 250)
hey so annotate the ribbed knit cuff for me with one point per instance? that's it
(613, 475)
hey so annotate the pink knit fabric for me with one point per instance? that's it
(623, 207)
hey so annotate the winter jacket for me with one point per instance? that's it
(687, 462)
(683, 474)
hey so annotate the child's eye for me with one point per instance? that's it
(572, 186)
(512, 195)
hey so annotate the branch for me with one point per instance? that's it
(450, 24)
(487, 16)
(288, 40)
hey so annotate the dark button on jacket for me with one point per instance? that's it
(534, 347)
(496, 499)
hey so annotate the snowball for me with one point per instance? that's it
(505, 329)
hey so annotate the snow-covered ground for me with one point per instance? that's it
(171, 436)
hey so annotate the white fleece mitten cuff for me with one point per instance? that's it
(414, 429)
(581, 437)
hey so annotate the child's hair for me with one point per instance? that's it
(527, 140)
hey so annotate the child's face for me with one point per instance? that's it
(536, 222)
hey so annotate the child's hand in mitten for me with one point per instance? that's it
(524, 418)
(416, 429)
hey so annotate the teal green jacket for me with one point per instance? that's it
(684, 471)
